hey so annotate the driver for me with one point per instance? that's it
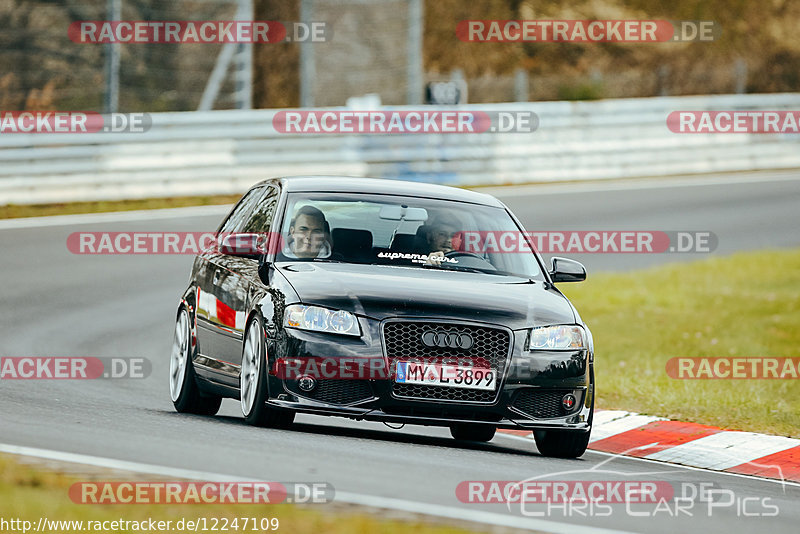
(440, 234)
(309, 235)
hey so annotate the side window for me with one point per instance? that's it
(260, 218)
(243, 210)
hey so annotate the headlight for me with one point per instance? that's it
(559, 337)
(321, 320)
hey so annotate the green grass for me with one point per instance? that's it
(28, 493)
(42, 210)
(742, 305)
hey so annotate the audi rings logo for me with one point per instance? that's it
(452, 340)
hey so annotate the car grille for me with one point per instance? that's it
(336, 391)
(544, 404)
(402, 340)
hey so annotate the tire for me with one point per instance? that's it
(253, 388)
(561, 444)
(184, 391)
(472, 432)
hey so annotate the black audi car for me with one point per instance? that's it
(384, 301)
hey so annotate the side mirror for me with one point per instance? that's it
(566, 270)
(244, 245)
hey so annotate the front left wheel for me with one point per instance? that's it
(183, 389)
(253, 388)
(560, 443)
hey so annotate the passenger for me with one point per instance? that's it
(440, 234)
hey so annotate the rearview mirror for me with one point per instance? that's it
(403, 213)
(566, 270)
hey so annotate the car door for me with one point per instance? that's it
(231, 278)
(218, 296)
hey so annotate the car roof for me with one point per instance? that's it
(349, 184)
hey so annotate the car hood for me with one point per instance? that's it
(386, 291)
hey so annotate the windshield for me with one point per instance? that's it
(401, 231)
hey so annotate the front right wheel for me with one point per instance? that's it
(253, 388)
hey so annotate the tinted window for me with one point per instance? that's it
(245, 210)
(406, 231)
(261, 216)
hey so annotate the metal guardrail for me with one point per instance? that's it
(220, 152)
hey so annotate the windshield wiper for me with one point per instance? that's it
(487, 271)
(463, 269)
(468, 270)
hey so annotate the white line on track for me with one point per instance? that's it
(678, 466)
(449, 512)
(620, 425)
(724, 450)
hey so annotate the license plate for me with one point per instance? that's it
(453, 376)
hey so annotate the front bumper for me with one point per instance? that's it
(529, 397)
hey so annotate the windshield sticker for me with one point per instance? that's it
(415, 258)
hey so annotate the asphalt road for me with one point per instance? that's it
(55, 303)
